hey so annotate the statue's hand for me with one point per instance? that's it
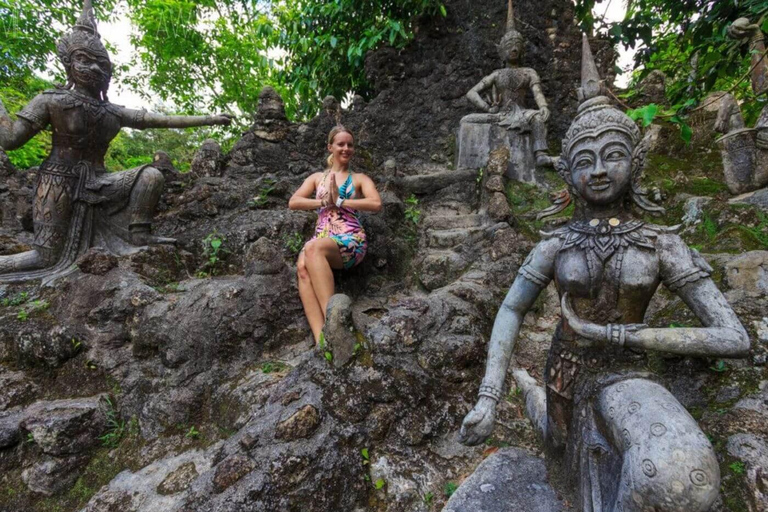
(222, 119)
(742, 29)
(544, 114)
(478, 424)
(493, 109)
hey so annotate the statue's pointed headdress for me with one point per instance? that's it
(511, 36)
(596, 115)
(84, 37)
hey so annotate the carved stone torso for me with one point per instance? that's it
(512, 86)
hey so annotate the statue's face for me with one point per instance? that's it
(89, 71)
(510, 52)
(601, 167)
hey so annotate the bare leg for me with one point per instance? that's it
(667, 463)
(315, 315)
(320, 257)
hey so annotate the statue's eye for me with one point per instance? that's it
(583, 163)
(615, 155)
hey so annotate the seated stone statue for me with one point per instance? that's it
(745, 150)
(501, 95)
(626, 440)
(77, 204)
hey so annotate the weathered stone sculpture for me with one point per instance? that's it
(745, 150)
(627, 441)
(77, 204)
(505, 121)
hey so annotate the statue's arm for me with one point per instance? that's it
(32, 119)
(141, 119)
(687, 274)
(538, 96)
(534, 275)
(474, 94)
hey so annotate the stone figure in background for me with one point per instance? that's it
(501, 95)
(78, 205)
(627, 441)
(745, 150)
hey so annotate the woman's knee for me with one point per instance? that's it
(301, 268)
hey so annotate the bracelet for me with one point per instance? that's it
(339, 202)
(616, 334)
(491, 392)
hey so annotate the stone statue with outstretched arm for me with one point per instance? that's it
(77, 204)
(625, 439)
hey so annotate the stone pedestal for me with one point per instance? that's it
(477, 140)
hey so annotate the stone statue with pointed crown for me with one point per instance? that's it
(77, 204)
(626, 441)
(501, 96)
(745, 150)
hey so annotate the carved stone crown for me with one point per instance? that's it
(84, 37)
(596, 116)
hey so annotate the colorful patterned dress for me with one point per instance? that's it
(341, 224)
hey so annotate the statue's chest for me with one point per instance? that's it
(616, 288)
(512, 84)
(85, 124)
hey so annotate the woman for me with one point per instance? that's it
(339, 241)
(626, 439)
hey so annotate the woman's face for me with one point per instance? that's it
(342, 148)
(601, 168)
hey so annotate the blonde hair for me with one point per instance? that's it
(332, 135)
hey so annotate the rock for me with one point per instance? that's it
(178, 480)
(263, 258)
(498, 207)
(441, 267)
(163, 163)
(300, 425)
(758, 198)
(65, 427)
(208, 160)
(10, 433)
(338, 331)
(652, 89)
(749, 448)
(15, 389)
(749, 273)
(495, 184)
(477, 141)
(507, 480)
(270, 122)
(693, 208)
(97, 261)
(230, 470)
(53, 475)
(48, 349)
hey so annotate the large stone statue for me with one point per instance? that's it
(501, 96)
(77, 204)
(745, 150)
(627, 441)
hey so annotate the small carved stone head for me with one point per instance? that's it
(512, 43)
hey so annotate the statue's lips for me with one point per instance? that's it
(599, 184)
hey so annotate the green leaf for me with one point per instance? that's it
(649, 112)
(364, 453)
(216, 243)
(334, 41)
(328, 356)
(380, 483)
(445, 13)
(686, 132)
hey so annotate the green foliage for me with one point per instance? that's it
(261, 198)
(719, 366)
(294, 243)
(273, 367)
(412, 212)
(115, 426)
(427, 498)
(449, 489)
(365, 455)
(672, 35)
(192, 433)
(380, 483)
(213, 252)
(737, 467)
(15, 300)
(22, 315)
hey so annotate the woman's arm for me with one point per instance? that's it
(141, 119)
(534, 275)
(371, 201)
(302, 198)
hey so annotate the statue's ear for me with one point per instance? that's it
(563, 170)
(639, 155)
